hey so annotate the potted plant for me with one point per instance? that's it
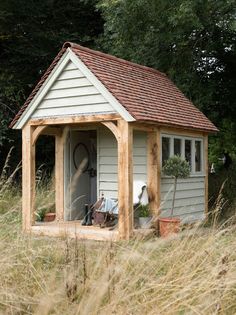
(40, 214)
(49, 217)
(46, 213)
(145, 219)
(176, 168)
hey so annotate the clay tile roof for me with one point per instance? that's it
(147, 94)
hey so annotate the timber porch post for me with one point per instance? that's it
(28, 178)
(205, 159)
(154, 171)
(59, 175)
(125, 180)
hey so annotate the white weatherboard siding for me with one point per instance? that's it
(72, 94)
(190, 198)
(108, 164)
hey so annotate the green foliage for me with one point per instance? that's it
(40, 214)
(143, 211)
(223, 141)
(176, 167)
(224, 182)
(31, 34)
(192, 41)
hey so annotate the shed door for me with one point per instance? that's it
(80, 172)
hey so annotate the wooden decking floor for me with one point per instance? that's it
(74, 229)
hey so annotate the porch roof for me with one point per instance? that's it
(147, 94)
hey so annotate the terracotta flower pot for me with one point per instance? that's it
(169, 226)
(49, 217)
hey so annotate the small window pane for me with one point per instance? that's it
(198, 161)
(177, 147)
(165, 149)
(188, 152)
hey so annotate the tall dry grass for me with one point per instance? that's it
(193, 273)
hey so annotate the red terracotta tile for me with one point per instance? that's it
(146, 93)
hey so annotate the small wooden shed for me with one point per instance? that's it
(129, 119)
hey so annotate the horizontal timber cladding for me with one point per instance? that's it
(190, 198)
(72, 94)
(107, 161)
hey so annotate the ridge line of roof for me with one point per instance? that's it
(111, 57)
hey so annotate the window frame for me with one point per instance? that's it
(193, 140)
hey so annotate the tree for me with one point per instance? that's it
(193, 41)
(31, 34)
(176, 168)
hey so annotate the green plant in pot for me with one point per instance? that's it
(144, 216)
(176, 168)
(46, 213)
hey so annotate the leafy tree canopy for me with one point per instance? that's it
(193, 41)
(176, 167)
(31, 34)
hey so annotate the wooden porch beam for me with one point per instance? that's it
(52, 131)
(74, 119)
(183, 132)
(28, 178)
(143, 127)
(125, 180)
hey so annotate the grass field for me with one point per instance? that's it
(194, 273)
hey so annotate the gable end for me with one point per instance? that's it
(71, 89)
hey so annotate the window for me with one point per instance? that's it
(177, 146)
(165, 149)
(188, 152)
(198, 160)
(190, 149)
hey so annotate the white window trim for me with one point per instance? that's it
(183, 138)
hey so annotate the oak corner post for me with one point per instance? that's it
(154, 171)
(59, 177)
(125, 180)
(206, 174)
(28, 178)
